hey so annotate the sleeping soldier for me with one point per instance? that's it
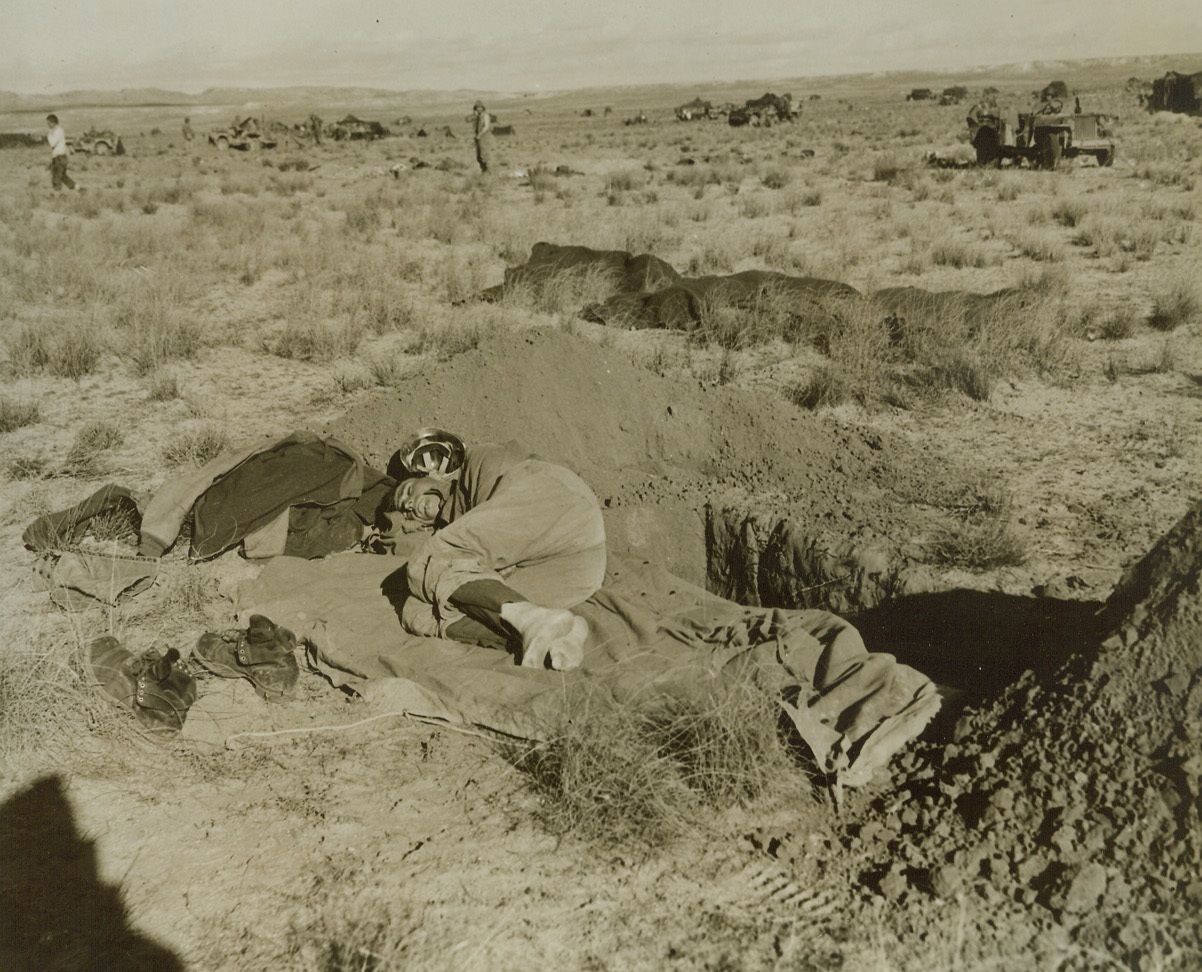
(516, 542)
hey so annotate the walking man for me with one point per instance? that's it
(58, 155)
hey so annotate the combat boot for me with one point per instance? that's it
(262, 654)
(156, 687)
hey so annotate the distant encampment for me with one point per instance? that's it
(1177, 92)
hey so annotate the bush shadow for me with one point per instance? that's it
(55, 912)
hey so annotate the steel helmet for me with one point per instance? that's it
(431, 452)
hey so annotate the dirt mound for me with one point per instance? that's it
(1076, 798)
(658, 452)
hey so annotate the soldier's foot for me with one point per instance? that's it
(547, 633)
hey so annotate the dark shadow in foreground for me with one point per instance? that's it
(975, 643)
(55, 913)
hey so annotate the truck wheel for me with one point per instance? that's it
(1106, 157)
(101, 148)
(223, 143)
(1047, 150)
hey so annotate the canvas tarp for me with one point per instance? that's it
(651, 635)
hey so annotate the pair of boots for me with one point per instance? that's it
(160, 690)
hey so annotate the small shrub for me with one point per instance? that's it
(1176, 302)
(952, 253)
(1008, 190)
(811, 197)
(196, 447)
(985, 544)
(43, 704)
(364, 217)
(15, 415)
(649, 771)
(752, 206)
(388, 372)
(27, 467)
(311, 338)
(445, 341)
(826, 387)
(890, 168)
(189, 593)
(69, 351)
(1069, 212)
(982, 538)
(776, 178)
(1039, 246)
(569, 289)
(963, 371)
(162, 386)
(1118, 323)
(1165, 360)
(92, 440)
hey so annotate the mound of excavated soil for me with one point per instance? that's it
(1076, 799)
(655, 450)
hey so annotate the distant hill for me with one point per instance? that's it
(149, 97)
(1097, 70)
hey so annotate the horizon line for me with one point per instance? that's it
(1030, 65)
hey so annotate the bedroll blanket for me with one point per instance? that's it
(651, 636)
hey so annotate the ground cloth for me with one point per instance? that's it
(651, 636)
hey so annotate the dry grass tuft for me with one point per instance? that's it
(95, 438)
(196, 447)
(982, 538)
(162, 386)
(985, 544)
(16, 415)
(1176, 303)
(651, 770)
(364, 933)
(46, 707)
(67, 351)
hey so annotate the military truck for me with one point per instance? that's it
(94, 142)
(1041, 138)
(242, 135)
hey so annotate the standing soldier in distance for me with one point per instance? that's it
(483, 133)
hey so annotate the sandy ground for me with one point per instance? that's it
(319, 834)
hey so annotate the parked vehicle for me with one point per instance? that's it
(351, 128)
(1041, 138)
(242, 135)
(94, 142)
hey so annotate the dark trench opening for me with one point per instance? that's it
(973, 644)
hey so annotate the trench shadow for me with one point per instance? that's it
(55, 912)
(973, 644)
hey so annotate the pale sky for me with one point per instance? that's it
(533, 45)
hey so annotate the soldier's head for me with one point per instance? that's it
(51, 120)
(427, 466)
(478, 107)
